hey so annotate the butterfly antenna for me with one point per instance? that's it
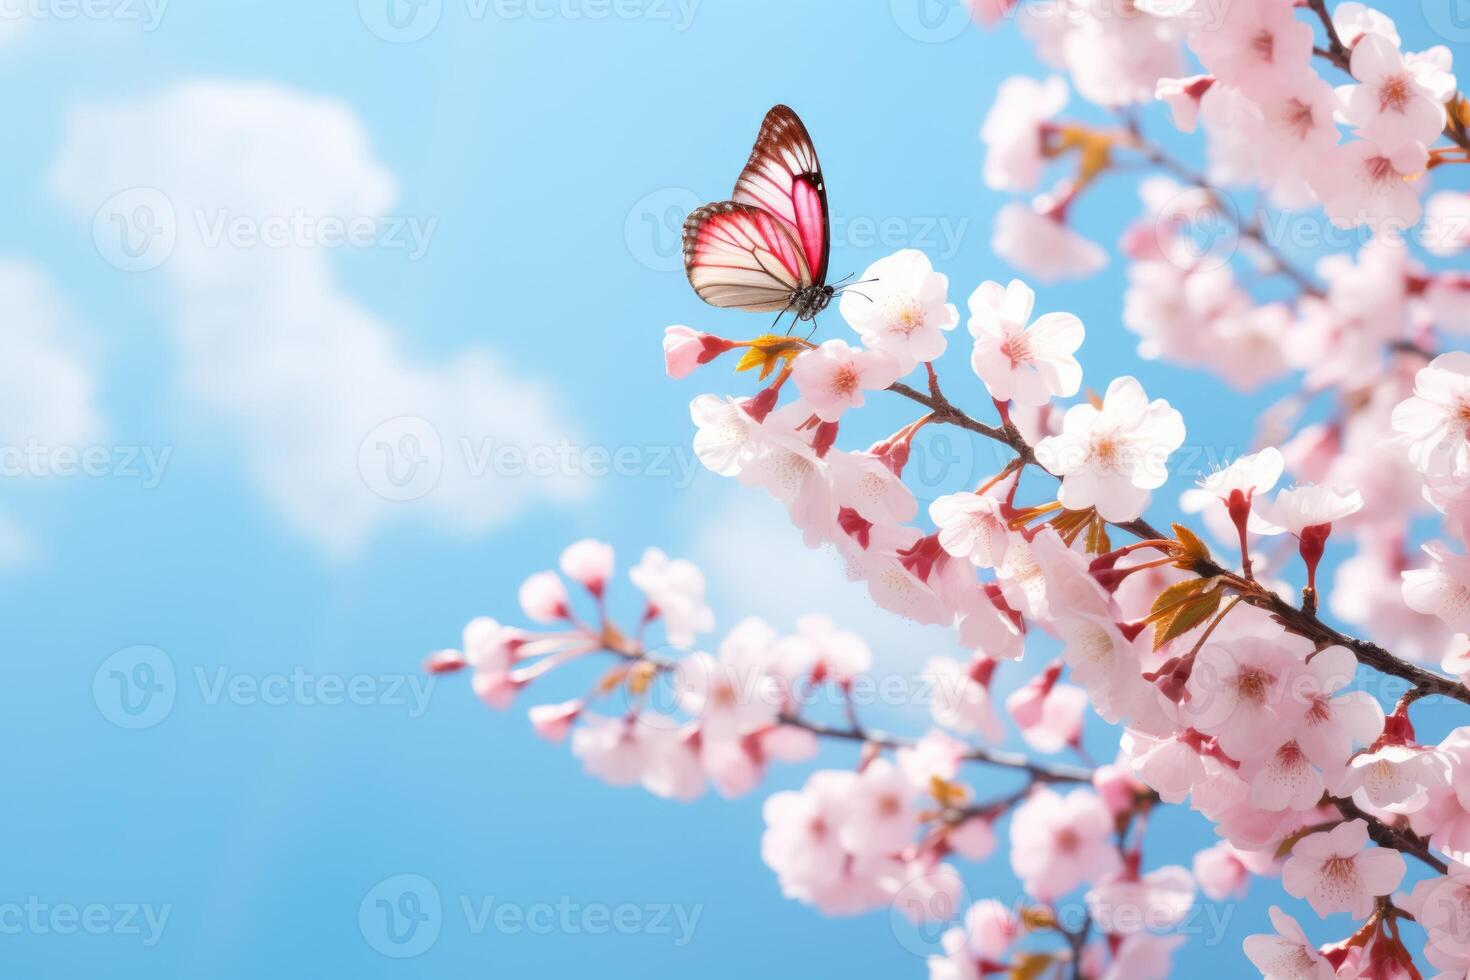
(856, 293)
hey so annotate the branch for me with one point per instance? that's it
(1157, 155)
(1039, 772)
(1295, 620)
(1394, 838)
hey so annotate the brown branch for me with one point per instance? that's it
(1038, 771)
(1293, 619)
(1394, 838)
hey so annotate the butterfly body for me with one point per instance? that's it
(767, 249)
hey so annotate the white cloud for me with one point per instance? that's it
(190, 186)
(47, 391)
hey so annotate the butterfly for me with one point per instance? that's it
(767, 248)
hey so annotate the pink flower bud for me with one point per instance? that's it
(544, 598)
(588, 563)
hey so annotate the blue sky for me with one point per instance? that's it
(237, 531)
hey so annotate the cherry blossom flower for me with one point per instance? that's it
(685, 349)
(1307, 513)
(973, 526)
(675, 592)
(1110, 458)
(833, 377)
(1014, 130)
(1124, 903)
(1058, 724)
(1443, 589)
(1435, 422)
(902, 311)
(1395, 775)
(1289, 954)
(1336, 871)
(1360, 183)
(961, 700)
(801, 839)
(1221, 872)
(728, 438)
(1238, 690)
(544, 598)
(1182, 96)
(1040, 245)
(881, 817)
(1028, 363)
(1058, 842)
(588, 563)
(490, 649)
(1257, 46)
(1395, 103)
(823, 651)
(1353, 20)
(726, 696)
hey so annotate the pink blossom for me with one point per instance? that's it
(1058, 842)
(1336, 871)
(973, 526)
(1353, 20)
(675, 589)
(991, 927)
(903, 312)
(1435, 421)
(1238, 689)
(553, 722)
(1124, 903)
(881, 817)
(1110, 458)
(544, 598)
(833, 377)
(685, 349)
(1361, 183)
(960, 701)
(1297, 509)
(1394, 776)
(1221, 873)
(1014, 130)
(1182, 96)
(1257, 46)
(1443, 589)
(1059, 723)
(1030, 362)
(727, 697)
(1289, 954)
(589, 563)
(1395, 103)
(728, 438)
(1041, 245)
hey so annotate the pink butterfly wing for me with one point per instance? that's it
(785, 178)
(739, 255)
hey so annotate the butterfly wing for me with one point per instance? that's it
(784, 178)
(740, 255)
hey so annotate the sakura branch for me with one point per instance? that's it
(1284, 723)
